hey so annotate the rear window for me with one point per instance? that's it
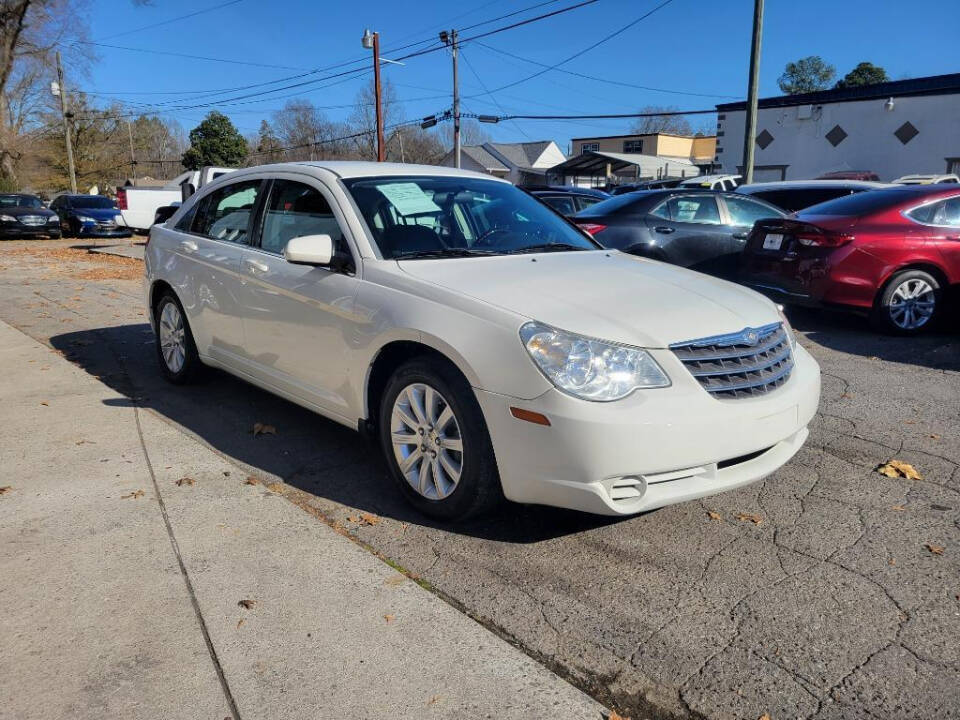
(800, 198)
(618, 203)
(864, 203)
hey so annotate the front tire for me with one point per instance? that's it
(176, 351)
(435, 441)
(909, 303)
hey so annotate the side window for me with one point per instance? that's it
(662, 210)
(584, 202)
(694, 209)
(926, 214)
(183, 224)
(225, 213)
(746, 212)
(950, 215)
(294, 210)
(562, 204)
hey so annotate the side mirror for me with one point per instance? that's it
(309, 250)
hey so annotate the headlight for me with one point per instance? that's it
(787, 328)
(590, 369)
(85, 219)
(52, 218)
(7, 218)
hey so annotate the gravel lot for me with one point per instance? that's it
(827, 591)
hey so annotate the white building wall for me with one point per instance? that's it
(800, 138)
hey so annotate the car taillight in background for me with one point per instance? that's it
(814, 236)
(591, 228)
(121, 199)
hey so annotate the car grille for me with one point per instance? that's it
(751, 362)
(33, 220)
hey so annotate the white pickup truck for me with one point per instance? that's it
(138, 206)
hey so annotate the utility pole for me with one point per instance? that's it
(372, 41)
(133, 158)
(450, 38)
(750, 131)
(61, 91)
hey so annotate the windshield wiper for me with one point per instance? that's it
(443, 252)
(547, 247)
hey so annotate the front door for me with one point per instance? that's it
(298, 319)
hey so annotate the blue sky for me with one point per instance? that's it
(699, 47)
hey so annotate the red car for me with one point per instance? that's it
(893, 253)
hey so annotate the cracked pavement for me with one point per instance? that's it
(832, 606)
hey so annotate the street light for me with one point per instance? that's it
(371, 41)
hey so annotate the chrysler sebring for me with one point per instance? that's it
(491, 347)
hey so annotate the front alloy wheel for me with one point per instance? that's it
(426, 441)
(435, 440)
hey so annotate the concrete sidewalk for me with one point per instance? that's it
(128, 594)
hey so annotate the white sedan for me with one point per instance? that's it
(493, 347)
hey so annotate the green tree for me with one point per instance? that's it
(807, 74)
(215, 141)
(866, 73)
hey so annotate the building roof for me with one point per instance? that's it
(483, 157)
(933, 85)
(638, 135)
(524, 154)
(595, 161)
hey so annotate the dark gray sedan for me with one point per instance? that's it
(698, 229)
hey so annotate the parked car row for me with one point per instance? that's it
(25, 216)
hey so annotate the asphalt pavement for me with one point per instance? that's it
(827, 591)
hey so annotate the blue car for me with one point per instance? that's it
(89, 216)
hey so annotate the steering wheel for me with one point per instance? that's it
(483, 241)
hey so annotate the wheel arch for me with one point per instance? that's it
(156, 290)
(938, 273)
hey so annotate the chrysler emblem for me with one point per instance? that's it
(751, 337)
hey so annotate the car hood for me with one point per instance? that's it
(17, 211)
(604, 294)
(97, 213)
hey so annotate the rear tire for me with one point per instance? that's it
(431, 422)
(909, 303)
(176, 350)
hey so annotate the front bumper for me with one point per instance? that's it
(653, 448)
(10, 230)
(116, 231)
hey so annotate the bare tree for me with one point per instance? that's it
(675, 124)
(307, 131)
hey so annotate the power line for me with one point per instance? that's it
(600, 79)
(587, 49)
(609, 116)
(171, 20)
(188, 56)
(492, 96)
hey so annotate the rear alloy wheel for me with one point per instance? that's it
(176, 350)
(908, 304)
(435, 441)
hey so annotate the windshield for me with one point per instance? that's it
(28, 201)
(426, 216)
(98, 202)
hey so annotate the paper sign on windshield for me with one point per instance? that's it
(408, 198)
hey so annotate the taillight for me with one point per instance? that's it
(823, 239)
(592, 228)
(121, 199)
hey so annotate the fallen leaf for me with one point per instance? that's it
(892, 561)
(240, 622)
(614, 715)
(714, 515)
(935, 549)
(262, 429)
(909, 422)
(275, 487)
(765, 716)
(134, 495)
(434, 700)
(5, 489)
(251, 480)
(898, 468)
(46, 404)
(752, 517)
(846, 396)
(246, 604)
(934, 436)
(184, 481)
(398, 579)
(389, 618)
(364, 519)
(899, 508)
(226, 473)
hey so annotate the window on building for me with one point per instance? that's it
(633, 146)
(589, 147)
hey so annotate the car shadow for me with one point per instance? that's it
(318, 456)
(938, 349)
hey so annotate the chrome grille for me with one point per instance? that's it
(33, 220)
(751, 362)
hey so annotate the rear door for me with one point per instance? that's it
(740, 215)
(299, 319)
(690, 231)
(210, 241)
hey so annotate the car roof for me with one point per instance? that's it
(361, 169)
(709, 178)
(801, 184)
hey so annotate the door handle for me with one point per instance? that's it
(740, 236)
(188, 246)
(255, 266)
(663, 229)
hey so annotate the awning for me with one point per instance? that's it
(595, 163)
